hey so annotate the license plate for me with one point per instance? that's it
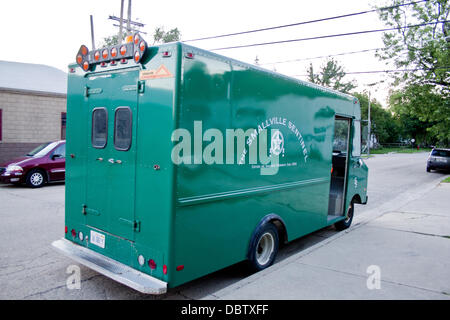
(98, 239)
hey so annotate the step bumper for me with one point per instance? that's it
(111, 268)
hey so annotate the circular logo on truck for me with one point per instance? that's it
(277, 143)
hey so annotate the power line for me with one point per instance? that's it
(304, 22)
(320, 57)
(328, 36)
(381, 71)
(337, 54)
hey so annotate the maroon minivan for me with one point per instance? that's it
(46, 163)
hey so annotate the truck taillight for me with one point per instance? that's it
(142, 46)
(66, 229)
(82, 58)
(136, 38)
(74, 233)
(137, 56)
(164, 269)
(123, 50)
(152, 264)
(114, 52)
(166, 54)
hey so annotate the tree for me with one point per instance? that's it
(424, 94)
(330, 76)
(383, 125)
(111, 40)
(409, 124)
(161, 36)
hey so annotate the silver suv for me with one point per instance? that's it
(439, 159)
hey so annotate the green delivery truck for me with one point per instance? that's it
(181, 162)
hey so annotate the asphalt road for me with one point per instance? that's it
(32, 218)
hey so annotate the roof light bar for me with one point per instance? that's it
(82, 58)
(134, 49)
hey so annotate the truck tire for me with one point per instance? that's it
(344, 224)
(263, 247)
(35, 178)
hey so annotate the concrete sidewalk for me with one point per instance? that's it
(405, 243)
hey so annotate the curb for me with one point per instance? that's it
(358, 221)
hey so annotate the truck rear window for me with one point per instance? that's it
(99, 127)
(122, 129)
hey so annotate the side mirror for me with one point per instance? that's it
(56, 156)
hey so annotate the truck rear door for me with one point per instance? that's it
(112, 100)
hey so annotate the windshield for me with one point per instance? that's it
(42, 150)
(440, 153)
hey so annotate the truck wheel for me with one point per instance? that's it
(344, 224)
(428, 169)
(35, 178)
(263, 247)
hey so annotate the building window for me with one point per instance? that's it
(63, 125)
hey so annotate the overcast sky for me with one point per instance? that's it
(50, 32)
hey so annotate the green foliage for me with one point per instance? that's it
(423, 113)
(161, 36)
(330, 75)
(409, 149)
(422, 104)
(383, 124)
(111, 40)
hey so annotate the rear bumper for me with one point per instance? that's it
(438, 165)
(111, 268)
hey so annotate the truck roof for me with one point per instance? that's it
(273, 73)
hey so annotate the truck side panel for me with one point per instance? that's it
(219, 205)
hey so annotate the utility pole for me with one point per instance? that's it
(368, 117)
(92, 32)
(129, 18)
(368, 128)
(121, 22)
(128, 21)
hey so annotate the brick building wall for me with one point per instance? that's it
(29, 119)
